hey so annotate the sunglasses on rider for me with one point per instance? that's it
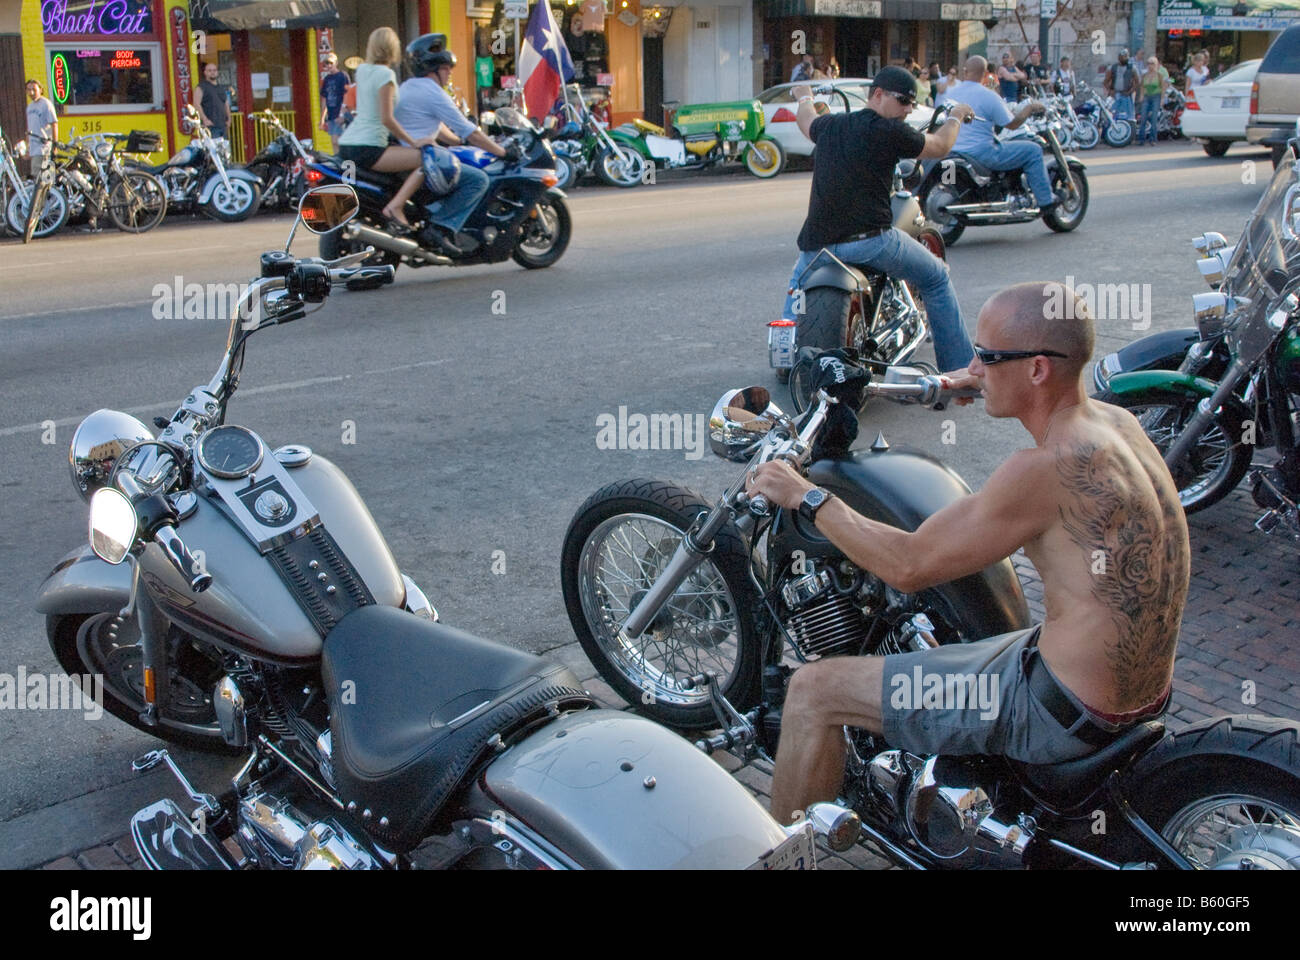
(989, 357)
(902, 98)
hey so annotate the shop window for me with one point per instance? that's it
(86, 79)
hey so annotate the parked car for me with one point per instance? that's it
(1275, 94)
(779, 110)
(1216, 112)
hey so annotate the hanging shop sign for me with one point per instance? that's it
(846, 8)
(178, 34)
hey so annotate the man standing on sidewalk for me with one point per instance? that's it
(42, 126)
(213, 102)
(332, 86)
(849, 210)
(1121, 83)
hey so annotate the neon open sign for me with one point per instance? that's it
(59, 76)
(95, 17)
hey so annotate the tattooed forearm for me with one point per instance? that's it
(1112, 516)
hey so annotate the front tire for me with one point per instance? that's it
(708, 624)
(765, 158)
(1069, 213)
(54, 211)
(188, 717)
(1215, 465)
(238, 203)
(1226, 790)
(621, 167)
(1120, 132)
(546, 235)
(1086, 135)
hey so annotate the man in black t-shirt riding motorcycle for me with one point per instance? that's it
(849, 210)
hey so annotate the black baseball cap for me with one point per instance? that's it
(895, 80)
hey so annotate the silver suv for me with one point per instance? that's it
(1275, 95)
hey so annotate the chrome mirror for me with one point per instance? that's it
(99, 440)
(740, 420)
(328, 208)
(112, 525)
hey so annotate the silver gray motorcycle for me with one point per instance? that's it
(239, 598)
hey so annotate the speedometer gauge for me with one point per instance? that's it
(229, 452)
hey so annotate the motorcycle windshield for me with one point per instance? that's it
(1265, 257)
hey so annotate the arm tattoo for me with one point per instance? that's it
(1142, 581)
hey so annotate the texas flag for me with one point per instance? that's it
(544, 63)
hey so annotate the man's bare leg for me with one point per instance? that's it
(823, 697)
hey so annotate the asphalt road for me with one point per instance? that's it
(474, 394)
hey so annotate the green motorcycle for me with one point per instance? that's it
(705, 134)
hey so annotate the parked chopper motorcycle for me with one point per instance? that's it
(523, 216)
(1096, 110)
(686, 610)
(279, 165)
(704, 134)
(201, 177)
(584, 147)
(848, 305)
(960, 192)
(1209, 397)
(261, 610)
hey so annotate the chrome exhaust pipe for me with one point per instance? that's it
(1024, 215)
(998, 206)
(399, 245)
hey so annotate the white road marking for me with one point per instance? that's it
(250, 391)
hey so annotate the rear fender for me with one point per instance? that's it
(616, 791)
(830, 273)
(83, 583)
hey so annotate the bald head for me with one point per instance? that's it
(976, 67)
(1043, 316)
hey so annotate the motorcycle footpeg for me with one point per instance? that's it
(148, 761)
(166, 839)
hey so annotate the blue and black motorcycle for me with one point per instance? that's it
(523, 216)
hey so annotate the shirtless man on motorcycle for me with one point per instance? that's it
(1095, 509)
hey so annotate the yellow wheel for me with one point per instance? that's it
(765, 158)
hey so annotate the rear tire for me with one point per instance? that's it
(141, 207)
(936, 196)
(565, 172)
(1182, 780)
(594, 612)
(1215, 467)
(825, 325)
(1216, 148)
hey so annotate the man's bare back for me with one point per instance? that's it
(1115, 565)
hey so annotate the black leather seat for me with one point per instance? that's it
(975, 165)
(412, 706)
(1067, 785)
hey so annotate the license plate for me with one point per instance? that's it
(1231, 103)
(780, 346)
(795, 853)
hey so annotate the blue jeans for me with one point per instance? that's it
(1018, 155)
(1150, 125)
(454, 209)
(1123, 106)
(898, 255)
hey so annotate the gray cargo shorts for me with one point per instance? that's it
(973, 698)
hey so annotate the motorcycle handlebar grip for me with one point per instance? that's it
(179, 554)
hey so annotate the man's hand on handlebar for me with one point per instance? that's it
(514, 153)
(961, 380)
(779, 482)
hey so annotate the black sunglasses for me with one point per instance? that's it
(902, 98)
(989, 357)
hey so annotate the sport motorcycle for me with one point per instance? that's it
(1211, 396)
(687, 609)
(961, 192)
(523, 216)
(242, 599)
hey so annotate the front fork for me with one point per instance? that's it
(153, 644)
(1206, 411)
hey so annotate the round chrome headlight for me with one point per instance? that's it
(100, 439)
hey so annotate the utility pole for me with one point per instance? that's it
(1047, 10)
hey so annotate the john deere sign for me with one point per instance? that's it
(1213, 15)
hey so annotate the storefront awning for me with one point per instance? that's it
(1219, 15)
(223, 15)
(879, 9)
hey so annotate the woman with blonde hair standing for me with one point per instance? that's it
(371, 141)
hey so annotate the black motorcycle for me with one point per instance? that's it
(522, 216)
(279, 165)
(1210, 396)
(686, 611)
(960, 192)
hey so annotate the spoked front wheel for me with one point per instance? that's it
(617, 545)
(1070, 211)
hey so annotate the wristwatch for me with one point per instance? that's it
(814, 500)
